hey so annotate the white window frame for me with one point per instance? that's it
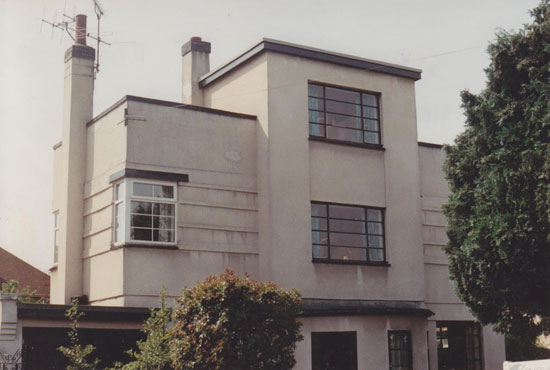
(127, 197)
(55, 237)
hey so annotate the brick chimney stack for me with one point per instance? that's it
(66, 280)
(196, 63)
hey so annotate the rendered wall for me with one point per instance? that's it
(106, 150)
(292, 171)
(217, 212)
(372, 339)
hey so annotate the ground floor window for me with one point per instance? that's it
(334, 350)
(458, 345)
(399, 345)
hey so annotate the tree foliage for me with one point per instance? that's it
(231, 322)
(24, 295)
(499, 175)
(154, 352)
(77, 353)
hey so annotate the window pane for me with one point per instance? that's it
(320, 251)
(344, 121)
(400, 350)
(166, 236)
(370, 99)
(376, 241)
(343, 95)
(343, 134)
(140, 234)
(141, 221)
(348, 254)
(315, 90)
(142, 207)
(143, 190)
(372, 137)
(351, 213)
(319, 210)
(316, 130)
(376, 255)
(374, 214)
(376, 228)
(163, 222)
(343, 108)
(348, 240)
(370, 112)
(319, 237)
(55, 219)
(163, 191)
(317, 104)
(370, 124)
(318, 223)
(316, 116)
(163, 209)
(395, 341)
(347, 226)
(395, 359)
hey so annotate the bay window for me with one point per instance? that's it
(145, 212)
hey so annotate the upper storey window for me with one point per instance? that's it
(145, 212)
(343, 115)
(347, 234)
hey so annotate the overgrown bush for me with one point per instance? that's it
(232, 322)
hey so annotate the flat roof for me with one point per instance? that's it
(91, 313)
(430, 145)
(169, 104)
(310, 53)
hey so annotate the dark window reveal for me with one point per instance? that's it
(458, 345)
(347, 233)
(343, 115)
(334, 351)
(400, 349)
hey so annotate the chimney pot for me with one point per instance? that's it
(80, 35)
(196, 38)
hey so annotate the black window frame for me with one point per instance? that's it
(362, 116)
(407, 350)
(366, 221)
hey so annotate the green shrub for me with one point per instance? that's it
(233, 322)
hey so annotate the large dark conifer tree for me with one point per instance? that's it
(499, 175)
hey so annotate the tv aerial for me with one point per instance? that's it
(68, 24)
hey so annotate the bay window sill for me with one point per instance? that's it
(149, 245)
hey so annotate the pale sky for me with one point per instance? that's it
(446, 39)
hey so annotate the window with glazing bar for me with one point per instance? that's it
(399, 343)
(344, 115)
(144, 212)
(345, 233)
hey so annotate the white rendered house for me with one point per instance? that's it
(297, 165)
